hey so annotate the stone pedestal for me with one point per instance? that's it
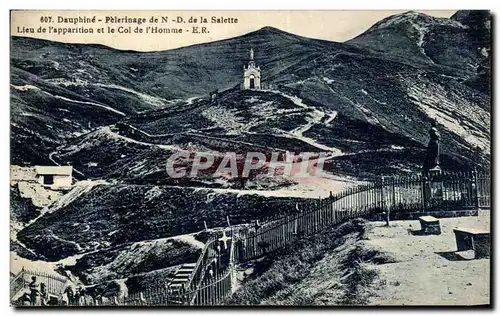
(429, 225)
(433, 189)
(481, 245)
(477, 240)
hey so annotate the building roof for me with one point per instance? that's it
(54, 170)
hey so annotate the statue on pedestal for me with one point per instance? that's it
(432, 176)
(432, 158)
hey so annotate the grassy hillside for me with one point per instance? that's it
(109, 215)
(165, 74)
(325, 269)
(400, 99)
(22, 210)
(135, 259)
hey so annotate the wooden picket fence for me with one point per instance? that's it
(203, 288)
(210, 268)
(217, 287)
(403, 195)
(213, 278)
(311, 218)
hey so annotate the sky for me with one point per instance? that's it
(336, 26)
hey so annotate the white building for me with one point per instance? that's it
(54, 176)
(251, 76)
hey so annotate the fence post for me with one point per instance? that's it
(393, 201)
(382, 197)
(330, 208)
(475, 189)
(424, 192)
(319, 218)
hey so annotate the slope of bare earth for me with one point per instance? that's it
(428, 271)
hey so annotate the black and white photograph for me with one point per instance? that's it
(250, 158)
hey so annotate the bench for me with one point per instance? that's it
(429, 225)
(475, 239)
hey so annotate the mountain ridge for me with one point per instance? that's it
(162, 79)
(263, 30)
(434, 41)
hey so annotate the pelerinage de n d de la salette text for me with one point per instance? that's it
(143, 20)
(81, 21)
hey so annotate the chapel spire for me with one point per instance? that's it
(251, 75)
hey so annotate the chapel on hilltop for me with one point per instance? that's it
(251, 75)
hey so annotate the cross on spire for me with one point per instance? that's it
(225, 239)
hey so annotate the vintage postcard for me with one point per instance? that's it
(263, 158)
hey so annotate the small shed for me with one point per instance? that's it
(54, 176)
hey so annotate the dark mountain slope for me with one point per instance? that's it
(459, 45)
(22, 210)
(179, 73)
(88, 79)
(479, 25)
(103, 154)
(136, 149)
(109, 215)
(44, 115)
(398, 98)
(118, 115)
